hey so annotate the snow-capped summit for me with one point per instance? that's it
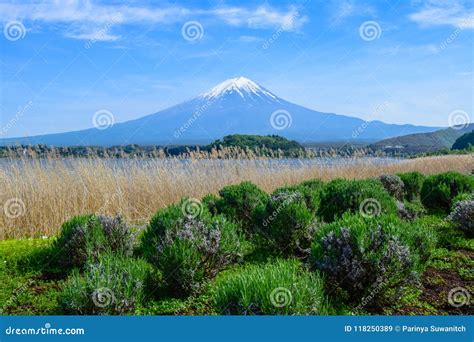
(243, 87)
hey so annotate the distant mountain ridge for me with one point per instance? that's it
(235, 106)
(425, 142)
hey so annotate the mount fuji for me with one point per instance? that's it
(235, 106)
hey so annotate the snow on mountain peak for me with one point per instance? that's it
(243, 86)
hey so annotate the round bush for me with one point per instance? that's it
(85, 237)
(462, 197)
(366, 196)
(282, 287)
(120, 237)
(438, 191)
(463, 216)
(370, 260)
(410, 210)
(311, 191)
(210, 201)
(239, 203)
(112, 285)
(412, 183)
(393, 184)
(188, 250)
(403, 211)
(288, 222)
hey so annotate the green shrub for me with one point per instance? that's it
(119, 236)
(288, 222)
(313, 184)
(463, 217)
(311, 191)
(111, 285)
(279, 288)
(393, 185)
(85, 237)
(465, 196)
(239, 203)
(438, 191)
(188, 250)
(414, 209)
(79, 237)
(403, 212)
(370, 259)
(412, 183)
(210, 201)
(366, 196)
(449, 236)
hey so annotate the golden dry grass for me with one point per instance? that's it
(37, 198)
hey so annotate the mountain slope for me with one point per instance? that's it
(236, 106)
(464, 141)
(425, 142)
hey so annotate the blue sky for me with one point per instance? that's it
(395, 61)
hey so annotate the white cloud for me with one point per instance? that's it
(403, 49)
(88, 20)
(345, 9)
(349, 8)
(96, 34)
(248, 39)
(84, 11)
(261, 17)
(453, 13)
(207, 54)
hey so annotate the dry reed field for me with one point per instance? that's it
(38, 195)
